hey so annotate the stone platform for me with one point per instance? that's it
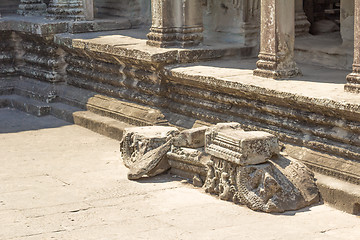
(131, 44)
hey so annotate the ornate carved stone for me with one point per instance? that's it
(353, 79)
(175, 23)
(69, 9)
(245, 168)
(31, 7)
(144, 149)
(280, 185)
(188, 163)
(276, 57)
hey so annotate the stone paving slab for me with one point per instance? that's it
(316, 82)
(61, 181)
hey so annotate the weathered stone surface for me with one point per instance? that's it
(151, 163)
(245, 168)
(188, 162)
(197, 181)
(144, 149)
(241, 147)
(280, 185)
(192, 138)
(175, 23)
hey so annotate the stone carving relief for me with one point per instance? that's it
(268, 187)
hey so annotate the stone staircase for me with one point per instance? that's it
(101, 114)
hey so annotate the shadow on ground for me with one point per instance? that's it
(13, 121)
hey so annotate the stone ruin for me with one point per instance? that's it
(245, 167)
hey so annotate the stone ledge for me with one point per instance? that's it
(42, 26)
(131, 44)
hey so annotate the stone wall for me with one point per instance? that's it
(137, 10)
(8, 6)
(6, 54)
(324, 137)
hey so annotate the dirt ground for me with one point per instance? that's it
(62, 181)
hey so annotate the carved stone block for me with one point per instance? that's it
(192, 138)
(242, 148)
(144, 150)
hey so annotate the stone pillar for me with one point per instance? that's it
(276, 57)
(176, 23)
(31, 7)
(353, 79)
(71, 9)
(302, 25)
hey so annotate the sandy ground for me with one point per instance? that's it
(61, 181)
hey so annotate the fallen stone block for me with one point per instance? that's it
(241, 147)
(188, 162)
(191, 138)
(281, 184)
(143, 150)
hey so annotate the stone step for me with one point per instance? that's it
(64, 111)
(103, 125)
(27, 105)
(339, 194)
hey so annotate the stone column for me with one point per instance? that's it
(175, 23)
(353, 79)
(31, 7)
(71, 9)
(276, 58)
(302, 25)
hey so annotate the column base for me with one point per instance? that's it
(269, 67)
(302, 25)
(174, 37)
(353, 82)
